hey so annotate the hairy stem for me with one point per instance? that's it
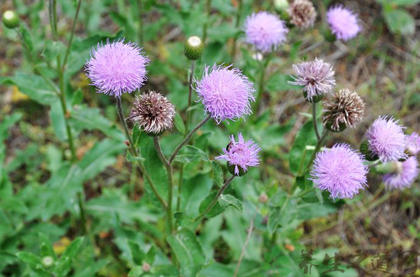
(133, 151)
(180, 180)
(214, 201)
(315, 121)
(187, 138)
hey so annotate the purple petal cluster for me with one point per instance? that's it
(343, 23)
(413, 143)
(339, 170)
(265, 31)
(241, 154)
(406, 174)
(316, 77)
(386, 139)
(225, 93)
(116, 68)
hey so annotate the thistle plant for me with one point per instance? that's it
(162, 158)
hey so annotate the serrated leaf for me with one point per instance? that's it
(300, 154)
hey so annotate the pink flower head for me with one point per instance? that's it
(413, 143)
(386, 139)
(265, 31)
(116, 68)
(406, 174)
(241, 154)
(343, 22)
(339, 170)
(225, 93)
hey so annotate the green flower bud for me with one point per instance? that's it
(328, 35)
(329, 126)
(10, 19)
(193, 48)
(231, 169)
(314, 99)
(364, 149)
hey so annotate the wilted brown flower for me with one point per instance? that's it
(344, 109)
(302, 13)
(153, 112)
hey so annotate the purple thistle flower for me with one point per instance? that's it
(225, 93)
(339, 170)
(413, 143)
(265, 31)
(316, 77)
(386, 139)
(406, 174)
(116, 68)
(343, 22)
(240, 154)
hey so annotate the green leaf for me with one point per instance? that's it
(136, 253)
(302, 149)
(189, 154)
(227, 200)
(65, 262)
(30, 259)
(85, 118)
(400, 21)
(33, 86)
(187, 251)
(179, 123)
(57, 120)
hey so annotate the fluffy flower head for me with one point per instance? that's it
(116, 68)
(302, 13)
(386, 139)
(344, 109)
(343, 23)
(265, 31)
(413, 143)
(339, 170)
(406, 174)
(240, 154)
(225, 93)
(316, 77)
(153, 112)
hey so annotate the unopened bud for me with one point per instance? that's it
(47, 261)
(193, 47)
(263, 198)
(10, 19)
(145, 267)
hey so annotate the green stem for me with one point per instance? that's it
(66, 113)
(214, 201)
(260, 91)
(133, 151)
(187, 138)
(317, 148)
(73, 28)
(237, 20)
(141, 37)
(188, 112)
(82, 213)
(180, 180)
(314, 120)
(52, 10)
(170, 182)
(206, 23)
